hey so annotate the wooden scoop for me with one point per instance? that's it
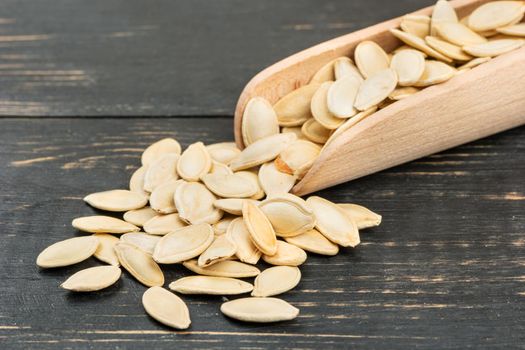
(483, 101)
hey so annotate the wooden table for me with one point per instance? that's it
(86, 85)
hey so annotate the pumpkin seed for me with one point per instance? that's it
(68, 252)
(276, 280)
(294, 108)
(495, 14)
(158, 149)
(273, 181)
(315, 132)
(221, 227)
(363, 217)
(230, 185)
(162, 197)
(260, 310)
(343, 66)
(420, 44)
(139, 264)
(105, 224)
(349, 123)
(246, 251)
(163, 224)
(220, 249)
(402, 93)
(288, 214)
(375, 89)
(325, 73)
(494, 47)
(338, 99)
(161, 170)
(447, 49)
(458, 34)
(259, 120)
(105, 251)
(286, 254)
(92, 279)
(442, 12)
(223, 152)
(136, 182)
(298, 158)
(262, 151)
(315, 242)
(254, 179)
(230, 205)
(219, 168)
(370, 58)
(194, 163)
(183, 244)
(227, 268)
(141, 240)
(474, 63)
(333, 222)
(514, 30)
(409, 66)
(320, 108)
(210, 285)
(435, 72)
(295, 130)
(139, 217)
(116, 200)
(166, 307)
(195, 204)
(260, 228)
(418, 25)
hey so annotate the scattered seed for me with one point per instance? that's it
(418, 25)
(315, 242)
(273, 181)
(286, 254)
(139, 217)
(68, 252)
(116, 200)
(160, 171)
(289, 215)
(298, 158)
(166, 307)
(226, 268)
(251, 175)
(221, 227)
(136, 182)
(260, 228)
(220, 249)
(163, 224)
(195, 204)
(219, 168)
(223, 152)
(230, 185)
(276, 280)
(363, 217)
(474, 63)
(294, 108)
(141, 240)
(211, 285)
(260, 310)
(246, 250)
(162, 198)
(159, 149)
(105, 251)
(194, 163)
(92, 279)
(139, 264)
(105, 224)
(183, 244)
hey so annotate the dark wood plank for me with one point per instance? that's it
(445, 269)
(161, 58)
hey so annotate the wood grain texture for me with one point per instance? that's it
(445, 269)
(160, 58)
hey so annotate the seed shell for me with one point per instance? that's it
(163, 224)
(260, 310)
(223, 152)
(260, 228)
(92, 279)
(105, 251)
(210, 285)
(160, 171)
(105, 224)
(136, 182)
(294, 108)
(376, 89)
(409, 66)
(450, 50)
(183, 244)
(68, 252)
(458, 34)
(162, 198)
(139, 217)
(420, 44)
(297, 158)
(166, 307)
(494, 47)
(286, 254)
(343, 66)
(141, 240)
(363, 217)
(230, 185)
(495, 14)
(325, 73)
(139, 264)
(314, 242)
(226, 268)
(259, 121)
(370, 58)
(514, 30)
(435, 72)
(289, 215)
(220, 249)
(442, 12)
(159, 149)
(194, 163)
(276, 280)
(339, 99)
(116, 200)
(246, 251)
(194, 203)
(315, 132)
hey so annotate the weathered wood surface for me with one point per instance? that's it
(445, 270)
(162, 57)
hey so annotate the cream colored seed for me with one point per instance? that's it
(139, 264)
(68, 252)
(420, 44)
(339, 100)
(92, 279)
(495, 14)
(195, 204)
(442, 12)
(298, 158)
(260, 310)
(210, 285)
(458, 34)
(159, 149)
(163, 224)
(139, 217)
(221, 227)
(376, 89)
(435, 72)
(363, 217)
(161, 170)
(166, 307)
(105, 251)
(162, 198)
(260, 228)
(294, 108)
(251, 175)
(343, 66)
(105, 224)
(136, 182)
(220, 249)
(349, 123)
(402, 93)
(370, 58)
(418, 25)
(273, 181)
(315, 242)
(194, 163)
(183, 244)
(315, 132)
(474, 63)
(230, 185)
(514, 30)
(116, 200)
(246, 251)
(141, 240)
(325, 73)
(227, 268)
(276, 280)
(286, 254)
(259, 121)
(450, 50)
(288, 214)
(295, 130)
(494, 47)
(409, 66)
(223, 152)
(320, 110)
(219, 168)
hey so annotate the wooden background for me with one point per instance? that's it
(86, 85)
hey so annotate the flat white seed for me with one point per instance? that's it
(210, 285)
(363, 217)
(376, 89)
(435, 72)
(136, 182)
(219, 168)
(409, 66)
(402, 93)
(333, 222)
(221, 227)
(494, 48)
(325, 73)
(68, 252)
(194, 163)
(514, 30)
(262, 151)
(442, 12)
(420, 44)
(220, 249)
(159, 149)
(139, 264)
(314, 242)
(273, 181)
(458, 34)
(450, 50)
(92, 279)
(418, 25)
(288, 214)
(259, 120)
(370, 58)
(349, 123)
(226, 268)
(223, 152)
(166, 307)
(105, 224)
(474, 63)
(407, 47)
(343, 66)
(259, 310)
(230, 205)
(162, 197)
(163, 224)
(161, 170)
(230, 185)
(139, 217)
(105, 251)
(260, 228)
(183, 244)
(295, 130)
(298, 158)
(251, 175)
(287, 254)
(495, 14)
(276, 280)
(339, 100)
(194, 203)
(246, 251)
(320, 110)
(294, 108)
(315, 132)
(141, 240)
(116, 200)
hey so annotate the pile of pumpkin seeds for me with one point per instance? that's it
(218, 210)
